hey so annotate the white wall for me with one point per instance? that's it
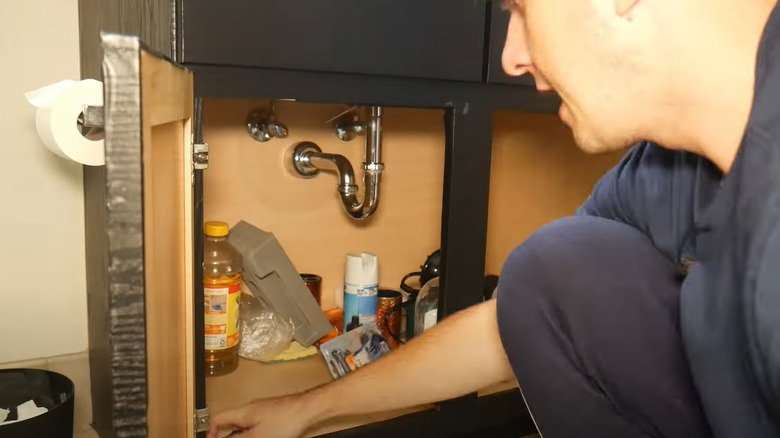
(42, 292)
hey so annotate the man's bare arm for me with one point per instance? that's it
(458, 356)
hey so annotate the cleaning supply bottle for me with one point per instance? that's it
(361, 285)
(222, 294)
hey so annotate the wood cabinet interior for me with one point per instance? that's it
(248, 180)
(166, 121)
(537, 175)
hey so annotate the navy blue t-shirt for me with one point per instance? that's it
(724, 233)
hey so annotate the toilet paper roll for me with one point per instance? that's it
(59, 106)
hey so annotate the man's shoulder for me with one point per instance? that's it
(653, 189)
(649, 160)
(647, 174)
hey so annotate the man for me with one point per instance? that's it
(655, 312)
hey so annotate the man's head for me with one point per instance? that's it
(603, 57)
(680, 73)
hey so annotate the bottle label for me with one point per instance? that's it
(360, 301)
(430, 319)
(222, 316)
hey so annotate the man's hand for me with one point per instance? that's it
(279, 417)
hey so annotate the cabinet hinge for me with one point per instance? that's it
(200, 156)
(202, 420)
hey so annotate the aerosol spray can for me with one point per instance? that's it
(361, 280)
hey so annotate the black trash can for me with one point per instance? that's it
(47, 389)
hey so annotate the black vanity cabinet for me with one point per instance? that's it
(449, 40)
(144, 209)
(435, 39)
(144, 213)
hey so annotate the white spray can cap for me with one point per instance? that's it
(362, 269)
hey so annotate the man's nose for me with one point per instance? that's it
(516, 58)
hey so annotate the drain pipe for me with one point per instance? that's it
(308, 159)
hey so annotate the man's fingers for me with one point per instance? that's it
(230, 434)
(233, 419)
(242, 434)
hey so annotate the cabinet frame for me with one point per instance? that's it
(405, 38)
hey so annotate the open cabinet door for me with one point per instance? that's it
(149, 244)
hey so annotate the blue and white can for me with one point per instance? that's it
(361, 285)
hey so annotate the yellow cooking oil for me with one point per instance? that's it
(222, 296)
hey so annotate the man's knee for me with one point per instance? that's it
(527, 289)
(540, 269)
(579, 269)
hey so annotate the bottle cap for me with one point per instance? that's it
(361, 270)
(216, 228)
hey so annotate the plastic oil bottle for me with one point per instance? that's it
(222, 295)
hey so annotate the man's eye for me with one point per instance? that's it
(520, 6)
(508, 5)
(513, 6)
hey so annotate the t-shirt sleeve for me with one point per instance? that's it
(652, 189)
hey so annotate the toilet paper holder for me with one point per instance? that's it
(92, 117)
(91, 122)
(62, 103)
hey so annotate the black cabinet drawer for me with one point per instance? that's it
(441, 39)
(499, 22)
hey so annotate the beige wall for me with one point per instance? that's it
(44, 294)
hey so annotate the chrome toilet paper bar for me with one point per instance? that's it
(92, 117)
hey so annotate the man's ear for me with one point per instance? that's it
(624, 7)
